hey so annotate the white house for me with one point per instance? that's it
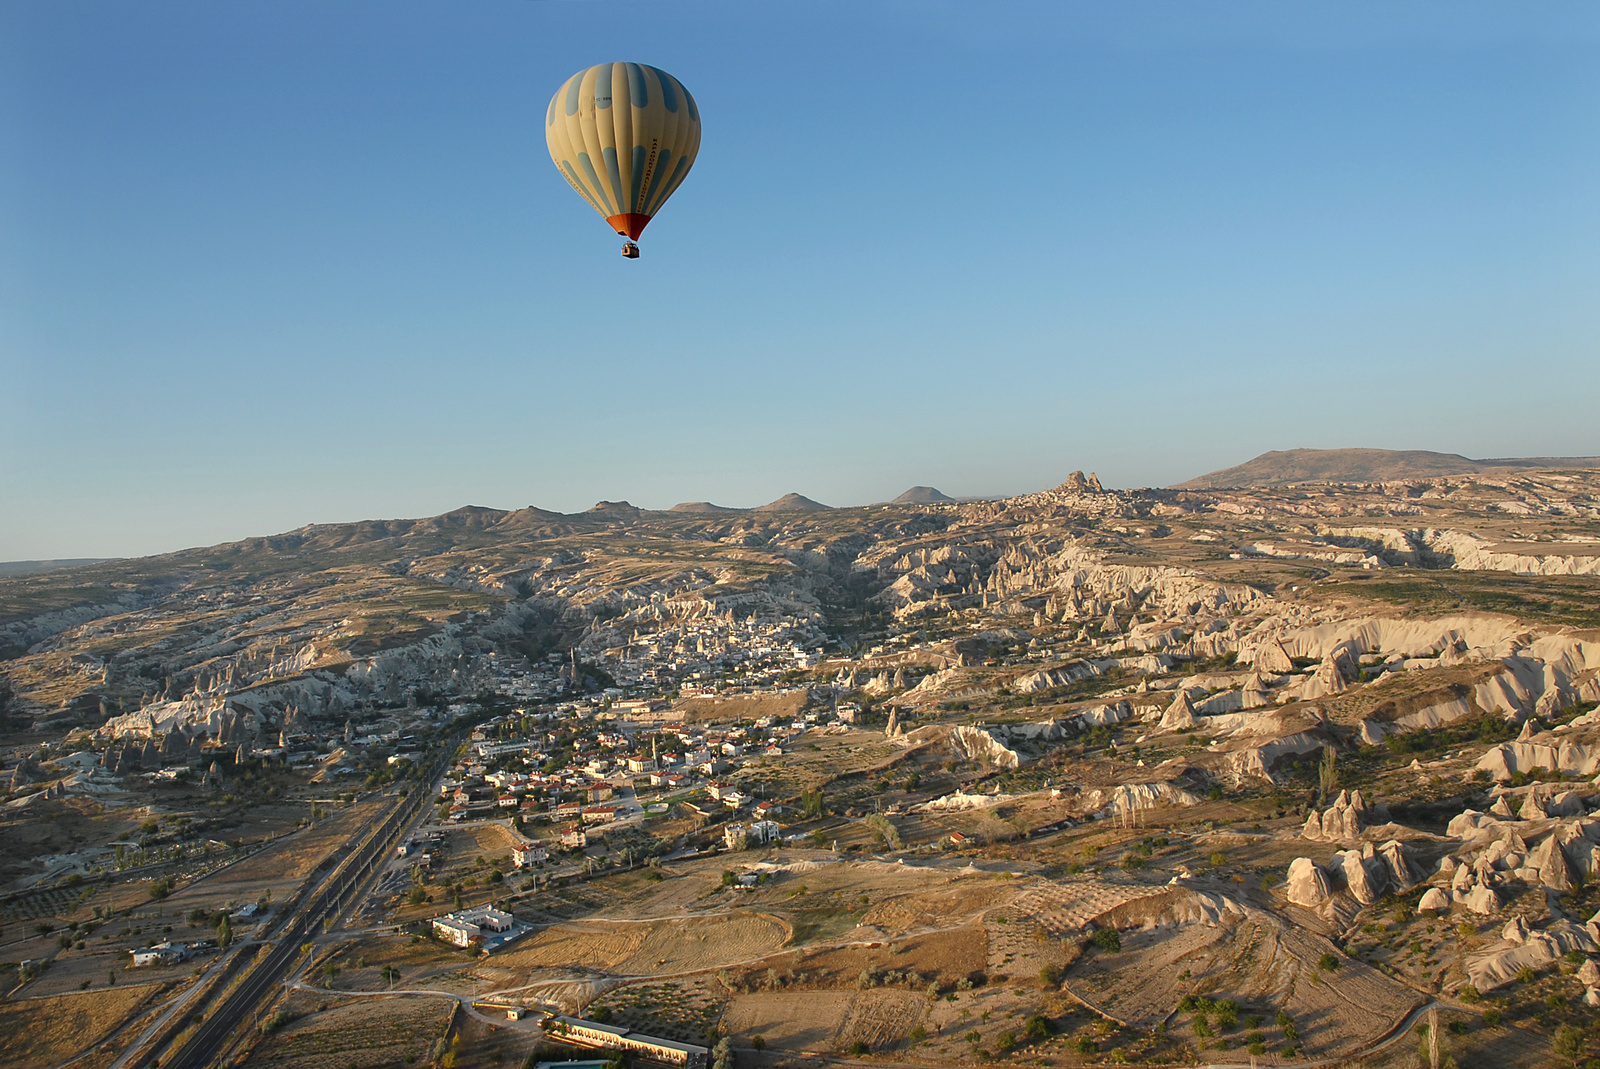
(525, 854)
(160, 954)
(461, 928)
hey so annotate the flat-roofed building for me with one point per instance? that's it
(617, 1037)
(489, 926)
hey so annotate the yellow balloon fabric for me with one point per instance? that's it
(624, 135)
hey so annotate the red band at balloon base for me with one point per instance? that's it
(629, 223)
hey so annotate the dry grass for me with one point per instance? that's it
(46, 1031)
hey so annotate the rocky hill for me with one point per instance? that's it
(921, 495)
(791, 503)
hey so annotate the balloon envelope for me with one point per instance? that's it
(624, 135)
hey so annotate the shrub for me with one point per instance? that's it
(1087, 1045)
(758, 1042)
(858, 1048)
(1567, 1044)
(1328, 962)
(1007, 1042)
(1525, 975)
(1107, 939)
(1492, 1018)
(1037, 1027)
(1050, 976)
(1469, 994)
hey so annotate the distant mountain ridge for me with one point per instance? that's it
(1282, 467)
(34, 567)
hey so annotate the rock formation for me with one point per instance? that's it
(1307, 884)
(1179, 716)
(1434, 899)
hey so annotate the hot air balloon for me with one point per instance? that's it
(624, 135)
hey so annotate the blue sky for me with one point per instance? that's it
(267, 264)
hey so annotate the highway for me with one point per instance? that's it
(328, 900)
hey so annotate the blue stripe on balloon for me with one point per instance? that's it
(694, 112)
(668, 97)
(610, 155)
(577, 183)
(666, 189)
(574, 84)
(638, 177)
(588, 166)
(637, 90)
(602, 85)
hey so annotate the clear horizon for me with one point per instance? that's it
(268, 265)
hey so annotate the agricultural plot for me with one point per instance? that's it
(824, 1020)
(688, 1009)
(644, 949)
(363, 1033)
(1262, 964)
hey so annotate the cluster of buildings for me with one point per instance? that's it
(571, 768)
(694, 653)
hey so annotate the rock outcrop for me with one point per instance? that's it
(1307, 884)
(1179, 716)
(1341, 822)
(976, 744)
(1434, 899)
(1533, 950)
(1366, 878)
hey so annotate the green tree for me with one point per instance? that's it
(1328, 772)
